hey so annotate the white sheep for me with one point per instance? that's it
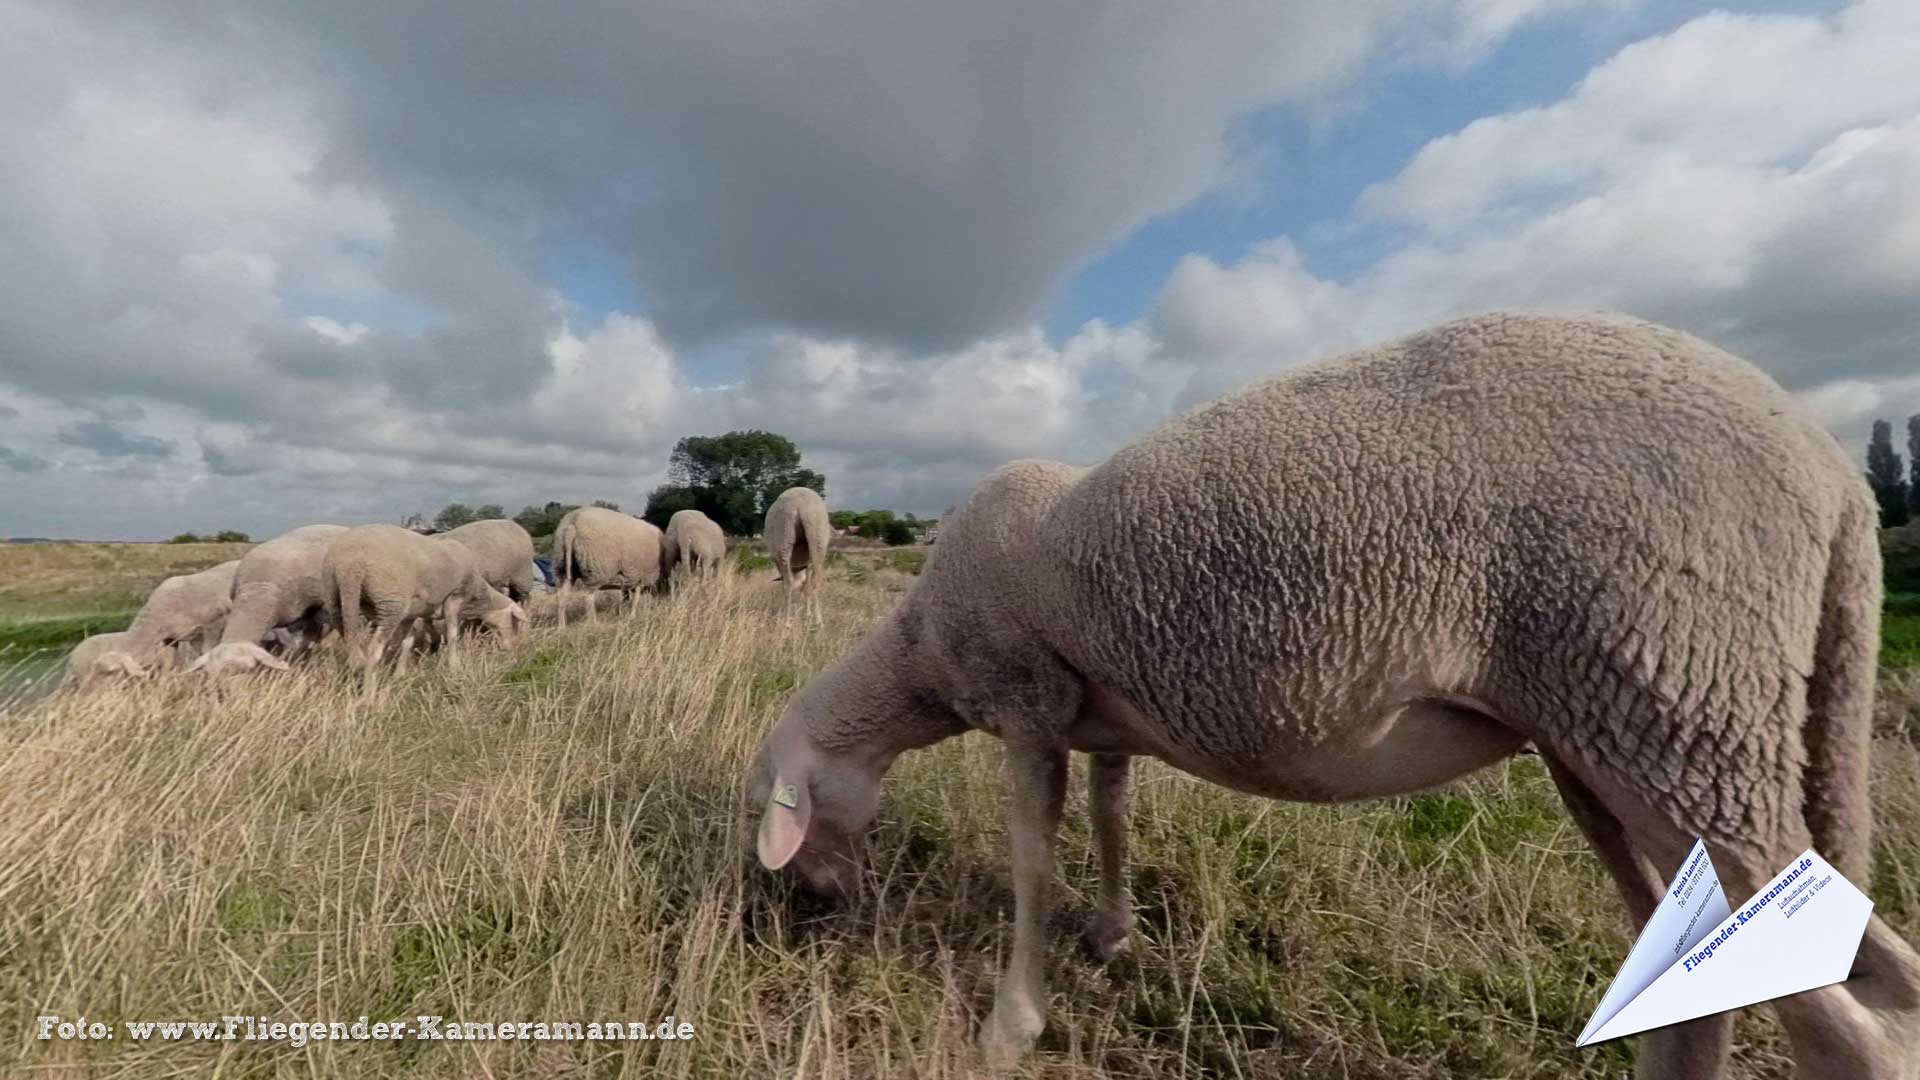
(798, 532)
(694, 539)
(383, 578)
(504, 552)
(181, 618)
(276, 587)
(100, 657)
(1378, 573)
(605, 549)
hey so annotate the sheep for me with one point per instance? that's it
(798, 533)
(183, 616)
(386, 578)
(100, 657)
(504, 552)
(606, 549)
(695, 539)
(1378, 573)
(276, 586)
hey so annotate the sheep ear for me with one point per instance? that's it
(784, 826)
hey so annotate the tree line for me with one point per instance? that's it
(1896, 485)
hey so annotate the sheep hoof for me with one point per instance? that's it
(1010, 1033)
(1110, 935)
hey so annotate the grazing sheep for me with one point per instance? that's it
(104, 656)
(385, 578)
(695, 539)
(798, 533)
(606, 549)
(1381, 572)
(276, 586)
(504, 552)
(182, 617)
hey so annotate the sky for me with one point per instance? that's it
(276, 263)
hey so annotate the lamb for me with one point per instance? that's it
(1378, 573)
(276, 586)
(606, 549)
(182, 617)
(695, 539)
(385, 578)
(504, 552)
(798, 533)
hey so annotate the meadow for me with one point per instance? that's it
(549, 831)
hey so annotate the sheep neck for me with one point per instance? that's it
(879, 701)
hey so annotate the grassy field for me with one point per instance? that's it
(548, 832)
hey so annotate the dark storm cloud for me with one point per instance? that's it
(22, 462)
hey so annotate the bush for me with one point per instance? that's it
(232, 536)
(187, 538)
(897, 533)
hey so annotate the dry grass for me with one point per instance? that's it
(548, 833)
(42, 580)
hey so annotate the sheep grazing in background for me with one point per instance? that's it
(695, 540)
(605, 549)
(182, 618)
(378, 581)
(276, 587)
(798, 533)
(1378, 573)
(504, 552)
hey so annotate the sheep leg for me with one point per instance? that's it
(1109, 792)
(565, 594)
(450, 614)
(1039, 781)
(1696, 1048)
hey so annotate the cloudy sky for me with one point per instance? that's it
(276, 262)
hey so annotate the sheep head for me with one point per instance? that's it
(116, 663)
(814, 804)
(509, 620)
(236, 658)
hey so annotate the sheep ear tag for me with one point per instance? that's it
(1697, 956)
(784, 826)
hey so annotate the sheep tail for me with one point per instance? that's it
(563, 547)
(347, 591)
(1839, 726)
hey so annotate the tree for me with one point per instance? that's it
(897, 533)
(452, 516)
(731, 478)
(1886, 476)
(543, 520)
(490, 512)
(606, 504)
(232, 536)
(1913, 465)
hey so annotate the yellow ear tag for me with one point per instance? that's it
(786, 796)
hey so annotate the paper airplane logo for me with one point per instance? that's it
(1697, 956)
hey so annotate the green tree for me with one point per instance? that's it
(1913, 465)
(490, 512)
(606, 504)
(232, 536)
(542, 520)
(186, 538)
(452, 516)
(897, 533)
(1886, 476)
(732, 478)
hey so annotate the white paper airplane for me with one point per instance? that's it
(1697, 957)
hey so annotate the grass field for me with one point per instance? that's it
(548, 832)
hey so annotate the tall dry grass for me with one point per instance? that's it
(548, 832)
